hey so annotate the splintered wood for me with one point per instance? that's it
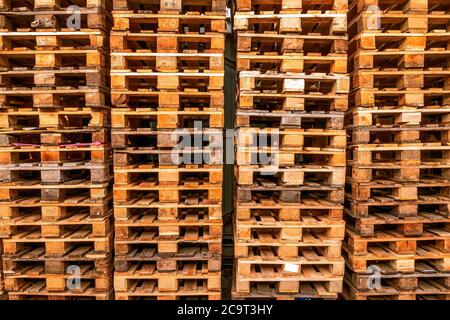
(397, 241)
(167, 72)
(290, 148)
(55, 155)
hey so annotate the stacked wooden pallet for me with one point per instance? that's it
(55, 202)
(290, 172)
(167, 78)
(398, 237)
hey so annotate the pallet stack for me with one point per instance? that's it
(290, 172)
(167, 77)
(397, 242)
(55, 166)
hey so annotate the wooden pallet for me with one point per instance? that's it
(27, 39)
(408, 98)
(309, 210)
(100, 226)
(398, 58)
(305, 207)
(315, 250)
(93, 152)
(275, 99)
(59, 173)
(332, 157)
(265, 228)
(291, 43)
(410, 6)
(141, 60)
(51, 210)
(393, 96)
(386, 135)
(18, 119)
(298, 22)
(292, 83)
(40, 79)
(37, 292)
(85, 257)
(406, 263)
(167, 194)
(397, 21)
(309, 176)
(189, 289)
(397, 171)
(187, 138)
(45, 5)
(386, 118)
(268, 246)
(263, 212)
(297, 63)
(51, 59)
(165, 229)
(396, 40)
(58, 246)
(428, 290)
(363, 191)
(307, 230)
(409, 208)
(426, 282)
(167, 282)
(58, 283)
(318, 146)
(277, 5)
(169, 176)
(166, 118)
(394, 244)
(387, 78)
(285, 285)
(194, 80)
(52, 20)
(406, 154)
(389, 281)
(290, 138)
(144, 258)
(54, 192)
(48, 97)
(405, 226)
(166, 42)
(287, 119)
(138, 236)
(143, 21)
(172, 99)
(290, 194)
(70, 137)
(168, 211)
(167, 157)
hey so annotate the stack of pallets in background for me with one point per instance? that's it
(167, 75)
(397, 242)
(290, 172)
(55, 181)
